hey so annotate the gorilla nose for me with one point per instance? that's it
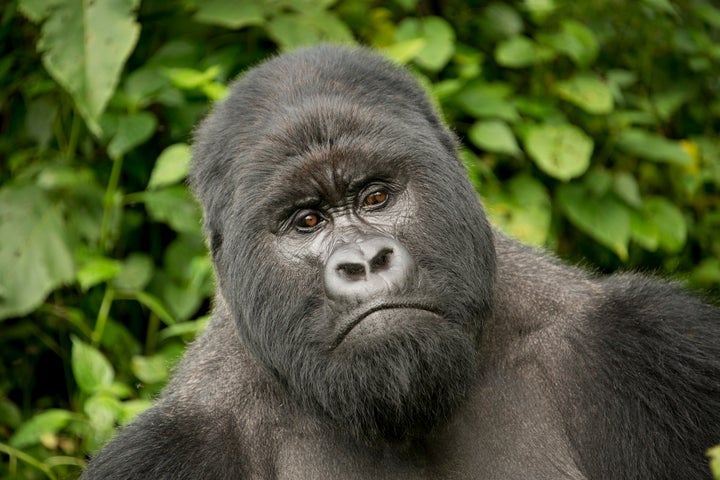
(357, 271)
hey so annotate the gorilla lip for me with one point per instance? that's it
(377, 308)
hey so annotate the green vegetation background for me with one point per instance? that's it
(589, 128)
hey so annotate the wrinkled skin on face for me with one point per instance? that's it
(331, 206)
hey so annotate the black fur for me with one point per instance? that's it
(369, 323)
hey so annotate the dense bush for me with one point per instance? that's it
(590, 128)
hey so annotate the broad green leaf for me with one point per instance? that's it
(604, 219)
(520, 51)
(132, 130)
(103, 410)
(668, 102)
(190, 78)
(10, 414)
(290, 30)
(84, 46)
(494, 136)
(171, 166)
(644, 230)
(91, 369)
(135, 273)
(499, 20)
(404, 51)
(155, 306)
(626, 188)
(522, 209)
(174, 206)
(96, 270)
(229, 13)
(36, 10)
(651, 146)
(482, 99)
(587, 92)
(562, 151)
(34, 255)
(672, 229)
(576, 41)
(47, 422)
(439, 38)
(705, 274)
(152, 369)
(539, 10)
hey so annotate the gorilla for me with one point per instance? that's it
(369, 323)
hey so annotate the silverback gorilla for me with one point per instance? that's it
(370, 323)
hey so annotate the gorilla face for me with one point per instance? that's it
(349, 246)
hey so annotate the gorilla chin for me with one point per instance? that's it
(395, 374)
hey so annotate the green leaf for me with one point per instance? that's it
(85, 45)
(522, 209)
(156, 306)
(132, 130)
(36, 10)
(653, 147)
(175, 207)
(96, 270)
(587, 92)
(671, 226)
(438, 36)
(404, 51)
(494, 136)
(539, 10)
(577, 42)
(643, 230)
(49, 422)
(34, 255)
(714, 455)
(626, 188)
(562, 151)
(604, 219)
(482, 99)
(519, 51)
(91, 369)
(135, 273)
(229, 13)
(295, 29)
(152, 369)
(171, 166)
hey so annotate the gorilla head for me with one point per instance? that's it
(332, 204)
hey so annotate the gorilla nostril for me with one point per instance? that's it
(352, 271)
(381, 260)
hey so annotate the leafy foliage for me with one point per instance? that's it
(590, 128)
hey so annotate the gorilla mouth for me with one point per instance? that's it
(396, 311)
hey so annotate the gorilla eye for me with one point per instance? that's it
(307, 221)
(375, 199)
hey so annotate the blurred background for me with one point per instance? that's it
(589, 129)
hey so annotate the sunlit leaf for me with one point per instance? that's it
(494, 136)
(587, 92)
(47, 422)
(171, 166)
(438, 36)
(562, 151)
(520, 51)
(91, 369)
